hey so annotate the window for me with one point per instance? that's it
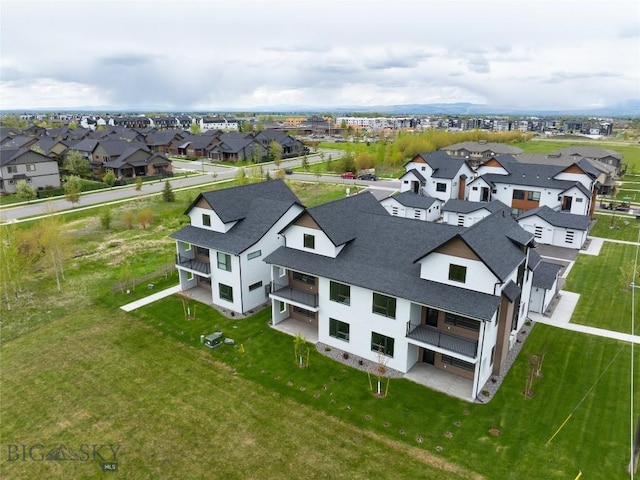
(12, 169)
(309, 241)
(423, 168)
(538, 232)
(224, 261)
(441, 187)
(462, 322)
(226, 292)
(282, 307)
(457, 273)
(201, 251)
(381, 343)
(252, 255)
(31, 167)
(304, 278)
(338, 329)
(578, 200)
(255, 286)
(454, 362)
(189, 275)
(339, 292)
(533, 196)
(206, 220)
(474, 189)
(518, 194)
(187, 247)
(493, 354)
(383, 305)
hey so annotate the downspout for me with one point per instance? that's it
(484, 326)
(241, 284)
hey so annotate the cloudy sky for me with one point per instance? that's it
(241, 54)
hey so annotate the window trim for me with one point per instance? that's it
(255, 286)
(337, 329)
(229, 293)
(206, 219)
(457, 273)
(252, 255)
(337, 295)
(441, 187)
(389, 344)
(384, 308)
(461, 322)
(309, 241)
(224, 264)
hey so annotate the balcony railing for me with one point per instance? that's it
(193, 264)
(294, 295)
(438, 338)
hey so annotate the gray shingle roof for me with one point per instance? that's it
(589, 152)
(443, 165)
(511, 291)
(414, 172)
(465, 206)
(261, 215)
(413, 200)
(559, 219)
(497, 148)
(545, 275)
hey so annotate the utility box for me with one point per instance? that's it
(213, 340)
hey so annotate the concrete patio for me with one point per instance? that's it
(439, 380)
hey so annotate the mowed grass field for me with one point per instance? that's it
(76, 370)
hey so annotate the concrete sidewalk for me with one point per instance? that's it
(561, 317)
(150, 299)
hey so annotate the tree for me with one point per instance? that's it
(55, 245)
(167, 193)
(72, 189)
(195, 128)
(18, 257)
(275, 152)
(109, 178)
(37, 149)
(75, 163)
(138, 184)
(106, 217)
(145, 217)
(305, 163)
(301, 350)
(73, 125)
(128, 219)
(24, 191)
(241, 177)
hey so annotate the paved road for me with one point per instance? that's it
(206, 174)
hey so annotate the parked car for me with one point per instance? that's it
(288, 171)
(367, 176)
(350, 175)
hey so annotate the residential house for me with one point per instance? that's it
(19, 141)
(411, 205)
(231, 231)
(422, 294)
(36, 169)
(476, 153)
(437, 175)
(524, 186)
(161, 141)
(218, 123)
(236, 147)
(291, 147)
(191, 145)
(551, 227)
(107, 151)
(602, 155)
(465, 213)
(139, 162)
(51, 147)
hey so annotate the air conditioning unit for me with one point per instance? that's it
(513, 336)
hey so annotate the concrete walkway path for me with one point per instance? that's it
(150, 299)
(561, 317)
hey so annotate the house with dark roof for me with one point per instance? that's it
(161, 141)
(36, 169)
(237, 147)
(465, 213)
(551, 227)
(545, 286)
(437, 175)
(476, 153)
(291, 147)
(602, 155)
(230, 233)
(411, 205)
(107, 151)
(51, 146)
(136, 161)
(423, 295)
(524, 186)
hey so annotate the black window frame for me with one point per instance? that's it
(337, 294)
(337, 329)
(457, 273)
(456, 362)
(304, 278)
(206, 219)
(458, 321)
(441, 187)
(517, 194)
(309, 241)
(384, 304)
(226, 264)
(255, 286)
(228, 296)
(383, 344)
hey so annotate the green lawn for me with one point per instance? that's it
(615, 226)
(76, 369)
(602, 282)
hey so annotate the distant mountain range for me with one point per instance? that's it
(630, 108)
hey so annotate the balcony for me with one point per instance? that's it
(438, 338)
(203, 268)
(292, 295)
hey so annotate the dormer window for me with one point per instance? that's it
(309, 241)
(206, 220)
(457, 273)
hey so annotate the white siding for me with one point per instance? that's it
(435, 267)
(216, 224)
(323, 246)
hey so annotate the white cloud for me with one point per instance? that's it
(217, 54)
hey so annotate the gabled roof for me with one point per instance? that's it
(442, 164)
(85, 145)
(10, 155)
(496, 148)
(232, 204)
(18, 141)
(545, 275)
(256, 207)
(534, 259)
(118, 147)
(465, 206)
(337, 218)
(415, 173)
(511, 291)
(124, 157)
(558, 219)
(589, 152)
(233, 142)
(413, 200)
